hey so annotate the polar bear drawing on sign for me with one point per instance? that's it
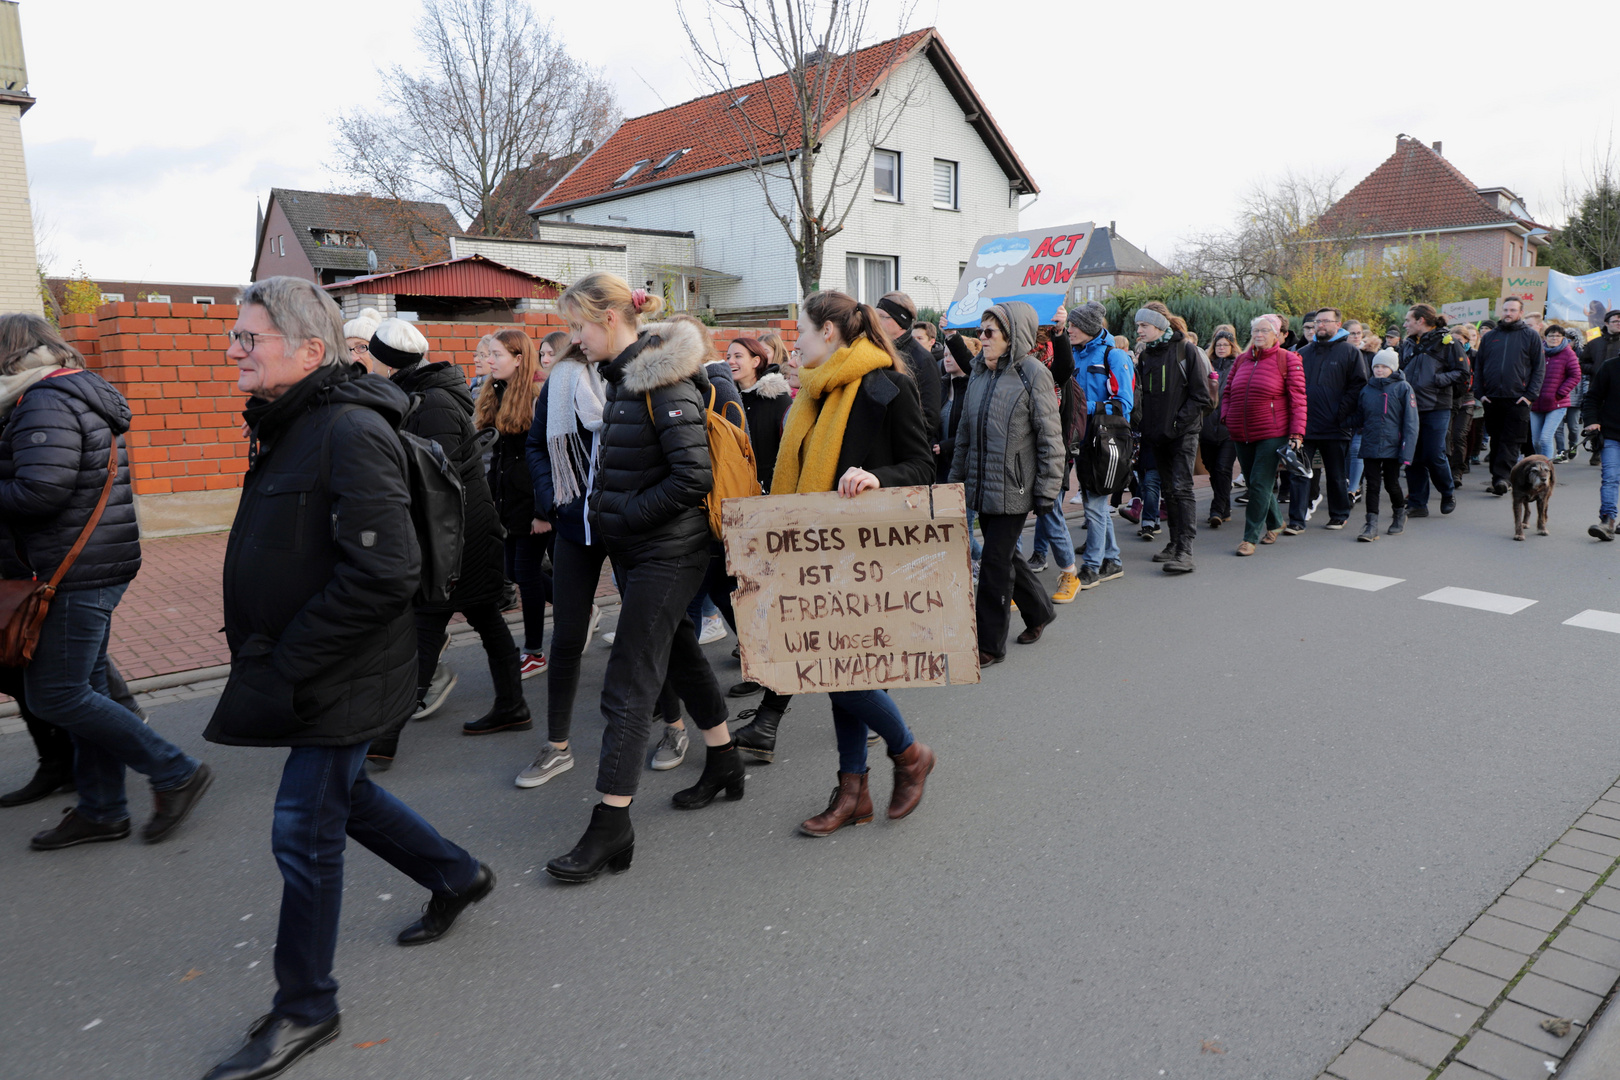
(973, 304)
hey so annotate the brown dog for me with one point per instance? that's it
(1532, 480)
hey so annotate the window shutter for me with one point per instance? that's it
(945, 184)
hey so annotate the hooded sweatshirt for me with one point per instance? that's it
(1173, 401)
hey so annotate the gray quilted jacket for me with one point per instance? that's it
(1009, 444)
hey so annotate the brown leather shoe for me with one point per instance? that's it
(1270, 537)
(851, 804)
(1032, 634)
(986, 659)
(911, 768)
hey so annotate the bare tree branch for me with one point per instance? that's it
(1260, 248)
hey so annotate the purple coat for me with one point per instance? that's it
(1563, 376)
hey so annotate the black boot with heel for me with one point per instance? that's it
(758, 737)
(722, 769)
(608, 844)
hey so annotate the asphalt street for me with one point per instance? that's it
(1206, 827)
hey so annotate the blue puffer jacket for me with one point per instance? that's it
(53, 465)
(1092, 363)
(1387, 416)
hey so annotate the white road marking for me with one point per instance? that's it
(1482, 601)
(1592, 619)
(1352, 579)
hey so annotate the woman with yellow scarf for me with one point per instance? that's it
(857, 424)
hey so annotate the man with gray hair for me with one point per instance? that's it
(320, 572)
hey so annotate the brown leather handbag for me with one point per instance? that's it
(24, 604)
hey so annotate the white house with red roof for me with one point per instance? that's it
(944, 176)
(1417, 195)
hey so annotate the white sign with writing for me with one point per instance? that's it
(853, 594)
(1467, 310)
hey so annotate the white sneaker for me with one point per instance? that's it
(1077, 499)
(590, 631)
(607, 638)
(714, 629)
(1314, 504)
(549, 763)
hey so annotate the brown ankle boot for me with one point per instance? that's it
(911, 768)
(851, 804)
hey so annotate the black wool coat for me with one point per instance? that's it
(766, 403)
(53, 465)
(509, 483)
(320, 570)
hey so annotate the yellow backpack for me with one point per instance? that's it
(731, 459)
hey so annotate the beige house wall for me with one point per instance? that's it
(19, 268)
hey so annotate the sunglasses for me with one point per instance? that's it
(989, 331)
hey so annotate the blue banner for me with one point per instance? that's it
(1582, 299)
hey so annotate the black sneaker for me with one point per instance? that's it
(1111, 569)
(73, 830)
(1448, 503)
(1336, 523)
(1038, 563)
(1089, 578)
(1417, 511)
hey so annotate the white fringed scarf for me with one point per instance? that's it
(576, 397)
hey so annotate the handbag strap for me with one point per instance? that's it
(95, 518)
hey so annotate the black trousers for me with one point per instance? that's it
(525, 565)
(575, 570)
(1508, 425)
(1388, 472)
(654, 639)
(1462, 417)
(1175, 458)
(1335, 473)
(1219, 457)
(1004, 577)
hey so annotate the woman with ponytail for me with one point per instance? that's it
(647, 480)
(857, 424)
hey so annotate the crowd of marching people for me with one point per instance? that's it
(385, 494)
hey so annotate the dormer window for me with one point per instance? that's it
(738, 103)
(631, 171)
(671, 159)
(336, 237)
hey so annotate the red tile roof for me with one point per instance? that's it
(470, 275)
(707, 135)
(1414, 191)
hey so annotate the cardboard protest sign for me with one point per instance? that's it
(1466, 310)
(1033, 266)
(872, 592)
(1528, 283)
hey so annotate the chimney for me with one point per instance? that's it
(1113, 228)
(1436, 145)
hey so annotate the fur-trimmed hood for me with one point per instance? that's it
(769, 385)
(664, 354)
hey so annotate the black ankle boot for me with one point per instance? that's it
(722, 768)
(510, 718)
(49, 779)
(758, 737)
(608, 844)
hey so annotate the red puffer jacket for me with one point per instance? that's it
(1264, 396)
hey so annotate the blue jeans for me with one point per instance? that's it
(66, 685)
(1353, 476)
(1052, 531)
(1101, 544)
(1429, 460)
(324, 794)
(975, 545)
(1150, 497)
(1609, 490)
(856, 710)
(1543, 428)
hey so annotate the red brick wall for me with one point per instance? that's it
(169, 361)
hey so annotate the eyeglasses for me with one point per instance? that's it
(248, 338)
(989, 331)
(363, 347)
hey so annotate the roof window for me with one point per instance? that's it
(631, 171)
(671, 158)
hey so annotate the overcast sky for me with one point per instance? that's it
(160, 123)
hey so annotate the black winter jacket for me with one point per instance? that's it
(925, 373)
(568, 520)
(1172, 403)
(1511, 364)
(320, 570)
(444, 415)
(886, 433)
(509, 484)
(1334, 376)
(1431, 364)
(1601, 403)
(53, 466)
(653, 470)
(766, 403)
(1599, 351)
(1215, 430)
(1386, 413)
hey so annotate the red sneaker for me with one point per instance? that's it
(531, 664)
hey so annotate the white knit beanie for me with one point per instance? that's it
(1388, 358)
(398, 344)
(364, 324)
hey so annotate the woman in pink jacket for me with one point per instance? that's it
(1563, 376)
(1263, 406)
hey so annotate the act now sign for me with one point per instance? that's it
(1035, 267)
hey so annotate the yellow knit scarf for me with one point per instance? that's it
(813, 434)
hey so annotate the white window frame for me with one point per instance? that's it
(954, 201)
(112, 297)
(860, 262)
(899, 177)
(202, 299)
(158, 298)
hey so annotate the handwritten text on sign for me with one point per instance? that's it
(853, 594)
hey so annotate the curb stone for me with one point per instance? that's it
(1547, 948)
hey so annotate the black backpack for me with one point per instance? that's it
(438, 504)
